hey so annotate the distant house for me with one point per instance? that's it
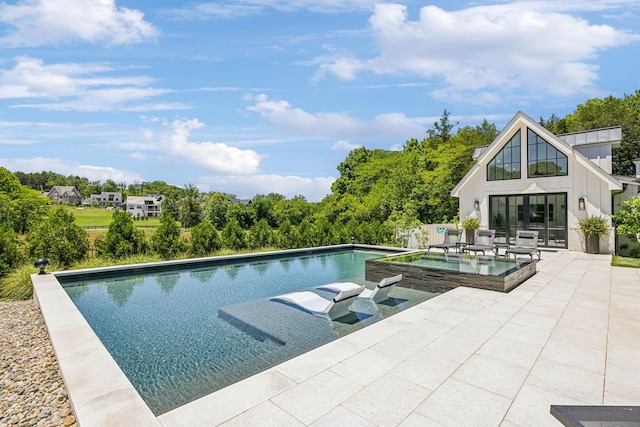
(245, 202)
(67, 194)
(106, 199)
(148, 206)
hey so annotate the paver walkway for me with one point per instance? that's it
(569, 335)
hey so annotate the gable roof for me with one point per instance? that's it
(560, 144)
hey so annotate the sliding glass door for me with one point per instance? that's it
(545, 213)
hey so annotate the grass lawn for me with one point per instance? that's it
(619, 261)
(101, 218)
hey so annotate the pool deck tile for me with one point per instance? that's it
(568, 335)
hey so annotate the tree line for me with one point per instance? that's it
(378, 194)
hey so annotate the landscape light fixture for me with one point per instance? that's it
(41, 263)
(581, 204)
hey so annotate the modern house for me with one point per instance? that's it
(531, 179)
(67, 194)
(106, 199)
(144, 206)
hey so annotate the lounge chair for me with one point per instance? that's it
(377, 294)
(526, 244)
(483, 242)
(313, 303)
(452, 238)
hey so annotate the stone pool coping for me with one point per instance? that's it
(100, 393)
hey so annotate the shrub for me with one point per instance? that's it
(471, 223)
(628, 218)
(59, 239)
(204, 239)
(233, 236)
(166, 240)
(16, 285)
(593, 225)
(10, 253)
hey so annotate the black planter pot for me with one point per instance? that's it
(592, 243)
(469, 236)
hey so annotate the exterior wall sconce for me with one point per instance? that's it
(476, 205)
(582, 205)
(41, 263)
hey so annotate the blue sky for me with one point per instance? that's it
(258, 96)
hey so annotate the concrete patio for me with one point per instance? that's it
(570, 335)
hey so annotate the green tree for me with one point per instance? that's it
(305, 231)
(628, 217)
(263, 207)
(123, 239)
(233, 236)
(243, 214)
(21, 208)
(261, 235)
(322, 232)
(295, 210)
(348, 170)
(216, 207)
(11, 254)
(59, 239)
(189, 209)
(288, 236)
(166, 239)
(204, 239)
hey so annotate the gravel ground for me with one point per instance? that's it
(32, 392)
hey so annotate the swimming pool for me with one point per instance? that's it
(179, 334)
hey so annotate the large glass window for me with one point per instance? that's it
(546, 213)
(506, 164)
(544, 159)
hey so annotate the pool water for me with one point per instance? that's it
(475, 264)
(180, 335)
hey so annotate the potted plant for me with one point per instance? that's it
(470, 225)
(592, 227)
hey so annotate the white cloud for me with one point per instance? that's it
(535, 45)
(233, 9)
(247, 186)
(48, 22)
(175, 145)
(64, 167)
(78, 87)
(138, 155)
(344, 145)
(335, 125)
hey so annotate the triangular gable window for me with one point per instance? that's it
(506, 164)
(544, 159)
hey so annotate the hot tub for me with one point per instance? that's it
(440, 272)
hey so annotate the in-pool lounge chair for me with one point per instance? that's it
(377, 294)
(526, 244)
(483, 242)
(452, 238)
(313, 303)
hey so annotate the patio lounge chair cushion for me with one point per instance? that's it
(452, 237)
(377, 294)
(313, 303)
